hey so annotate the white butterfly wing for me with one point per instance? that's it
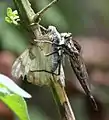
(21, 65)
(33, 59)
(40, 62)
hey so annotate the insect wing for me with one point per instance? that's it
(77, 46)
(79, 69)
(39, 62)
(21, 65)
(78, 65)
(33, 59)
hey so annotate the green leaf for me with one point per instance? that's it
(9, 12)
(7, 19)
(4, 91)
(17, 104)
(10, 95)
(12, 16)
(6, 82)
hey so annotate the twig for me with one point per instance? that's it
(62, 101)
(40, 13)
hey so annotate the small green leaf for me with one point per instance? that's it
(10, 95)
(9, 12)
(7, 19)
(4, 91)
(12, 16)
(17, 104)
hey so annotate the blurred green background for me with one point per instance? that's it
(88, 20)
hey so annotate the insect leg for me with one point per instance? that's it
(44, 71)
(52, 53)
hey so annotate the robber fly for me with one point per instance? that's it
(73, 49)
(63, 44)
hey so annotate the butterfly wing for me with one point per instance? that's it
(40, 62)
(21, 65)
(30, 60)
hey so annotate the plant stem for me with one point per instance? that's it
(62, 101)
